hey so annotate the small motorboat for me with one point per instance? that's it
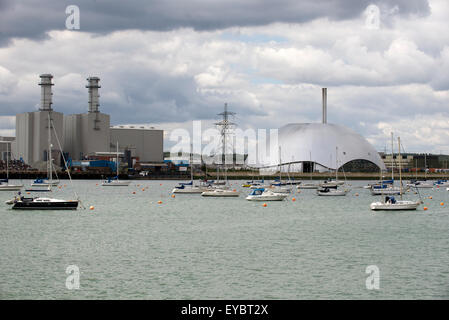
(262, 194)
(331, 183)
(115, 182)
(44, 183)
(391, 203)
(38, 203)
(332, 191)
(389, 190)
(419, 184)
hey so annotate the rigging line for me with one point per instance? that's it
(67, 168)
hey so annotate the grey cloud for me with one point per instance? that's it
(31, 19)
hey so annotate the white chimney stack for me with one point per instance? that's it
(324, 90)
(46, 94)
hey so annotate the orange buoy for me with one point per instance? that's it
(134, 192)
(264, 205)
(425, 208)
(28, 193)
(97, 184)
(356, 194)
(442, 203)
(430, 197)
(91, 208)
(143, 189)
(172, 195)
(234, 190)
(159, 202)
(293, 199)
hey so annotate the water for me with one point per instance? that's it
(189, 247)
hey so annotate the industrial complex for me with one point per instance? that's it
(83, 136)
(89, 143)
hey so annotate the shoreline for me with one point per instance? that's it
(230, 176)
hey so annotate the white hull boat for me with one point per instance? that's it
(307, 186)
(398, 205)
(265, 195)
(10, 187)
(386, 191)
(115, 183)
(220, 193)
(332, 193)
(44, 183)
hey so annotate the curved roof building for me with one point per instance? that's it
(318, 142)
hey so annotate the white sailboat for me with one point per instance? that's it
(331, 188)
(189, 187)
(6, 186)
(115, 182)
(41, 203)
(308, 185)
(390, 203)
(385, 188)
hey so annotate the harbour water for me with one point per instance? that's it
(189, 247)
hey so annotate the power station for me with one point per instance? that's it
(81, 136)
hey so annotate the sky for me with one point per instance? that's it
(167, 63)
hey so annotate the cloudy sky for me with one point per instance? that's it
(165, 63)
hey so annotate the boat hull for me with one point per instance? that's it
(219, 194)
(63, 205)
(398, 206)
(10, 187)
(116, 184)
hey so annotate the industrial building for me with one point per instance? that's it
(323, 146)
(32, 128)
(87, 133)
(81, 136)
(136, 140)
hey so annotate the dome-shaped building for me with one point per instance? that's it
(324, 144)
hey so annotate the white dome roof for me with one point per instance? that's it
(317, 142)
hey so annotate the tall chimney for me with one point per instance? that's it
(94, 101)
(46, 94)
(324, 90)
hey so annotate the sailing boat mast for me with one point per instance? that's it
(49, 157)
(392, 158)
(191, 163)
(7, 162)
(400, 171)
(336, 164)
(116, 165)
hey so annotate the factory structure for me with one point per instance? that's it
(83, 136)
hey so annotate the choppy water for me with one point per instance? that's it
(189, 247)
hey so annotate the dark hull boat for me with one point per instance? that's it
(42, 204)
